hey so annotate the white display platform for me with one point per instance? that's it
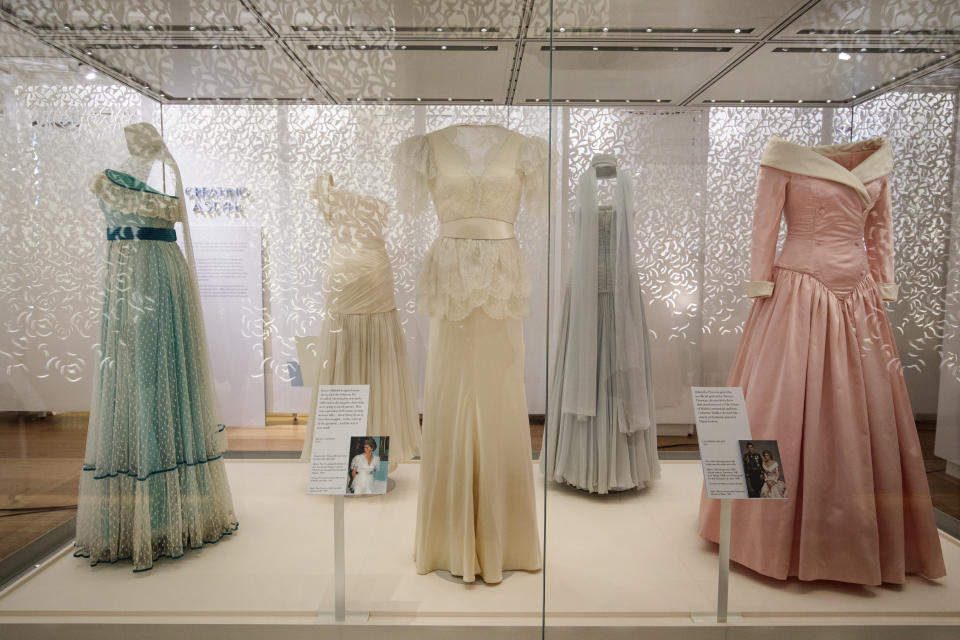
(616, 564)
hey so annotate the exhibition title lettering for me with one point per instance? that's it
(218, 200)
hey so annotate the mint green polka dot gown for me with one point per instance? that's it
(153, 483)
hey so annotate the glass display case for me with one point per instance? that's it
(473, 258)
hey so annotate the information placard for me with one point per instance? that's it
(721, 424)
(341, 414)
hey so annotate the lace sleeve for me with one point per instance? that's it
(533, 164)
(412, 170)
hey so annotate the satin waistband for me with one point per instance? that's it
(477, 229)
(142, 233)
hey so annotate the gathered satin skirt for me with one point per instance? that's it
(476, 513)
(821, 375)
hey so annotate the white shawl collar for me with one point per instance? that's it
(815, 162)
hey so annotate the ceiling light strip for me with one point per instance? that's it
(849, 49)
(400, 47)
(140, 28)
(655, 30)
(645, 48)
(345, 29)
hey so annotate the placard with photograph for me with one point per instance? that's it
(367, 471)
(340, 416)
(721, 423)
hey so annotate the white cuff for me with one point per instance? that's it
(759, 289)
(889, 290)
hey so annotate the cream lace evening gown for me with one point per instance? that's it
(361, 341)
(476, 513)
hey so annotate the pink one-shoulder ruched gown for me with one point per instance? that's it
(821, 375)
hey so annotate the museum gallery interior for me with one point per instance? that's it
(528, 319)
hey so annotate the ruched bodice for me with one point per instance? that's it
(825, 232)
(358, 277)
(479, 177)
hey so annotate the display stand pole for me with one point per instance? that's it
(723, 583)
(339, 562)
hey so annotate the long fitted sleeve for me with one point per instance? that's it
(878, 239)
(768, 209)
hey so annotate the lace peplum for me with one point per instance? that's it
(481, 173)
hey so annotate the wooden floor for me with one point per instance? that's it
(40, 459)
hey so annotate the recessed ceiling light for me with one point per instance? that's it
(562, 29)
(742, 100)
(943, 57)
(596, 99)
(192, 28)
(873, 87)
(536, 99)
(189, 98)
(444, 47)
(403, 46)
(627, 100)
(606, 29)
(389, 98)
(901, 50)
(105, 27)
(567, 100)
(596, 48)
(769, 100)
(88, 52)
(393, 28)
(439, 28)
(863, 50)
(736, 30)
(649, 30)
(713, 100)
(483, 29)
(419, 99)
(449, 99)
(893, 78)
(854, 96)
(843, 55)
(66, 27)
(302, 28)
(829, 101)
(694, 30)
(824, 49)
(363, 46)
(799, 101)
(216, 46)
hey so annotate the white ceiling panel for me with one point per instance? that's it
(675, 18)
(143, 17)
(879, 19)
(459, 70)
(425, 18)
(252, 70)
(14, 42)
(788, 73)
(667, 71)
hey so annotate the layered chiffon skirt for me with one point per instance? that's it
(153, 482)
(821, 375)
(591, 452)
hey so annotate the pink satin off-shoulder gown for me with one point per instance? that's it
(821, 375)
